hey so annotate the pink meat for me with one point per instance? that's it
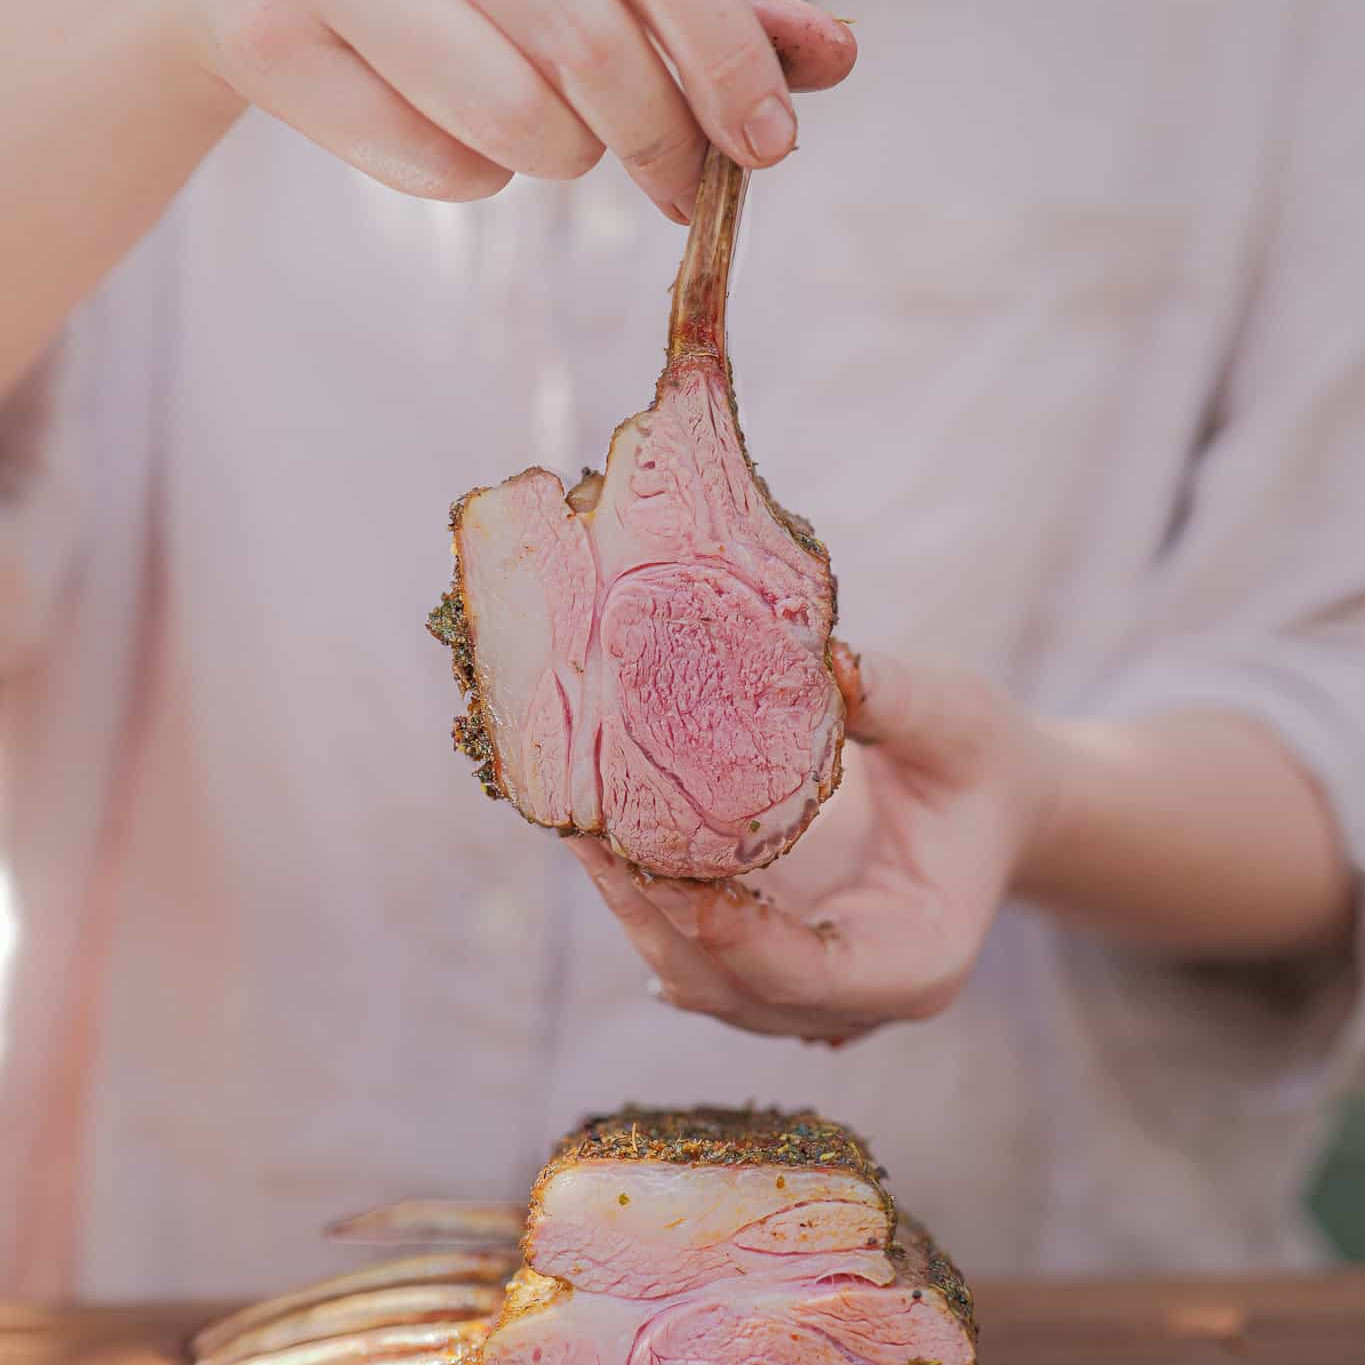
(841, 1320)
(645, 1229)
(649, 654)
(724, 1237)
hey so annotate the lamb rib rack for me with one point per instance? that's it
(724, 1236)
(708, 1237)
(648, 657)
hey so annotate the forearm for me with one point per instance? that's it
(1192, 832)
(102, 119)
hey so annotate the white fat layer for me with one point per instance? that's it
(511, 540)
(692, 1206)
(506, 605)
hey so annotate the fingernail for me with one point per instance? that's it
(683, 211)
(673, 212)
(771, 129)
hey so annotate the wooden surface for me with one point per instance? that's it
(1319, 1321)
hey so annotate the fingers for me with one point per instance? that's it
(856, 961)
(877, 694)
(447, 98)
(848, 677)
(884, 949)
(891, 950)
(731, 74)
(454, 65)
(689, 982)
(816, 50)
(596, 53)
(941, 720)
(776, 959)
(688, 979)
(297, 70)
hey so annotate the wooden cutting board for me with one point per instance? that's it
(1291, 1321)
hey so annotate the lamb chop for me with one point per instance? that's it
(648, 657)
(712, 1235)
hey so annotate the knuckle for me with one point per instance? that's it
(513, 125)
(741, 66)
(580, 44)
(720, 933)
(780, 993)
(631, 912)
(660, 153)
(537, 135)
(258, 35)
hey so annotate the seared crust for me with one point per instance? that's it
(747, 1137)
(917, 1256)
(449, 623)
(717, 1137)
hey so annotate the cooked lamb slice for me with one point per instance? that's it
(706, 1237)
(648, 657)
(645, 1204)
(922, 1315)
(724, 1236)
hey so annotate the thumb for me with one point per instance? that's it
(932, 715)
(816, 50)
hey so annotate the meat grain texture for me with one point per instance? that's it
(725, 1236)
(704, 1237)
(647, 657)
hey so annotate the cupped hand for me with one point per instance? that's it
(448, 99)
(880, 910)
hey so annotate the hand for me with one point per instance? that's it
(880, 910)
(449, 98)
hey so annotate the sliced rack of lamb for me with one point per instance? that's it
(706, 1237)
(648, 657)
(725, 1236)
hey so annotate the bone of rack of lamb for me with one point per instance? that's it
(648, 658)
(708, 1237)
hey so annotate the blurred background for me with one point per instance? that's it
(1336, 1197)
(1053, 330)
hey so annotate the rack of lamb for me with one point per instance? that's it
(707, 1237)
(648, 657)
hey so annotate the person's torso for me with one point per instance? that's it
(977, 325)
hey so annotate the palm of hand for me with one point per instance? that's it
(876, 915)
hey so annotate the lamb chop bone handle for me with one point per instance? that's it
(697, 324)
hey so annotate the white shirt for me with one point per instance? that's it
(1053, 328)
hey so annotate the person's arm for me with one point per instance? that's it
(101, 121)
(1194, 832)
(1206, 797)
(106, 108)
